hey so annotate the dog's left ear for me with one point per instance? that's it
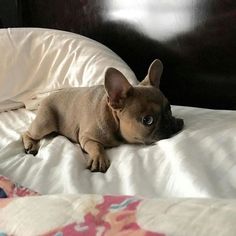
(117, 88)
(154, 74)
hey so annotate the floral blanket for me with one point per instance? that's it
(25, 212)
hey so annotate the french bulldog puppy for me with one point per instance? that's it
(100, 117)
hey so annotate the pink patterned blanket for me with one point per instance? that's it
(110, 215)
(24, 212)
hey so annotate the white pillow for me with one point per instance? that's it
(35, 62)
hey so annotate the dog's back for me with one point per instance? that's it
(72, 109)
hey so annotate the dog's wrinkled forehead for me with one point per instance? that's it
(149, 99)
(149, 94)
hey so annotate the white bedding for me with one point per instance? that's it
(200, 161)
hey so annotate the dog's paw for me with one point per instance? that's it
(31, 148)
(32, 151)
(30, 145)
(99, 164)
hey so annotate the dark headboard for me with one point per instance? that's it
(195, 39)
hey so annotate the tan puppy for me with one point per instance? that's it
(100, 117)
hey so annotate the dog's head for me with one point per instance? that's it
(143, 111)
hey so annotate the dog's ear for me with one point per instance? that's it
(154, 74)
(117, 88)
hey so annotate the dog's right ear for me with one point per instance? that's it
(154, 74)
(117, 88)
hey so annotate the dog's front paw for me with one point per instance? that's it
(98, 164)
(30, 145)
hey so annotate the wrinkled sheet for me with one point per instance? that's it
(200, 161)
(24, 212)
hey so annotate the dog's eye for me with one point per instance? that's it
(148, 120)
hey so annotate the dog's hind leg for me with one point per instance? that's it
(43, 125)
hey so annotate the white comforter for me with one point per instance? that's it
(200, 161)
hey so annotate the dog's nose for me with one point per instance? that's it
(177, 125)
(172, 126)
(169, 127)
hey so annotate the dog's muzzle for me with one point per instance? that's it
(169, 127)
(177, 125)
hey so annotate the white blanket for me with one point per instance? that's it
(200, 161)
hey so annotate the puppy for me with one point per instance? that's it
(100, 117)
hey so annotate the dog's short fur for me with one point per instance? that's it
(104, 116)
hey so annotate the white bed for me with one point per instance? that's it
(199, 162)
